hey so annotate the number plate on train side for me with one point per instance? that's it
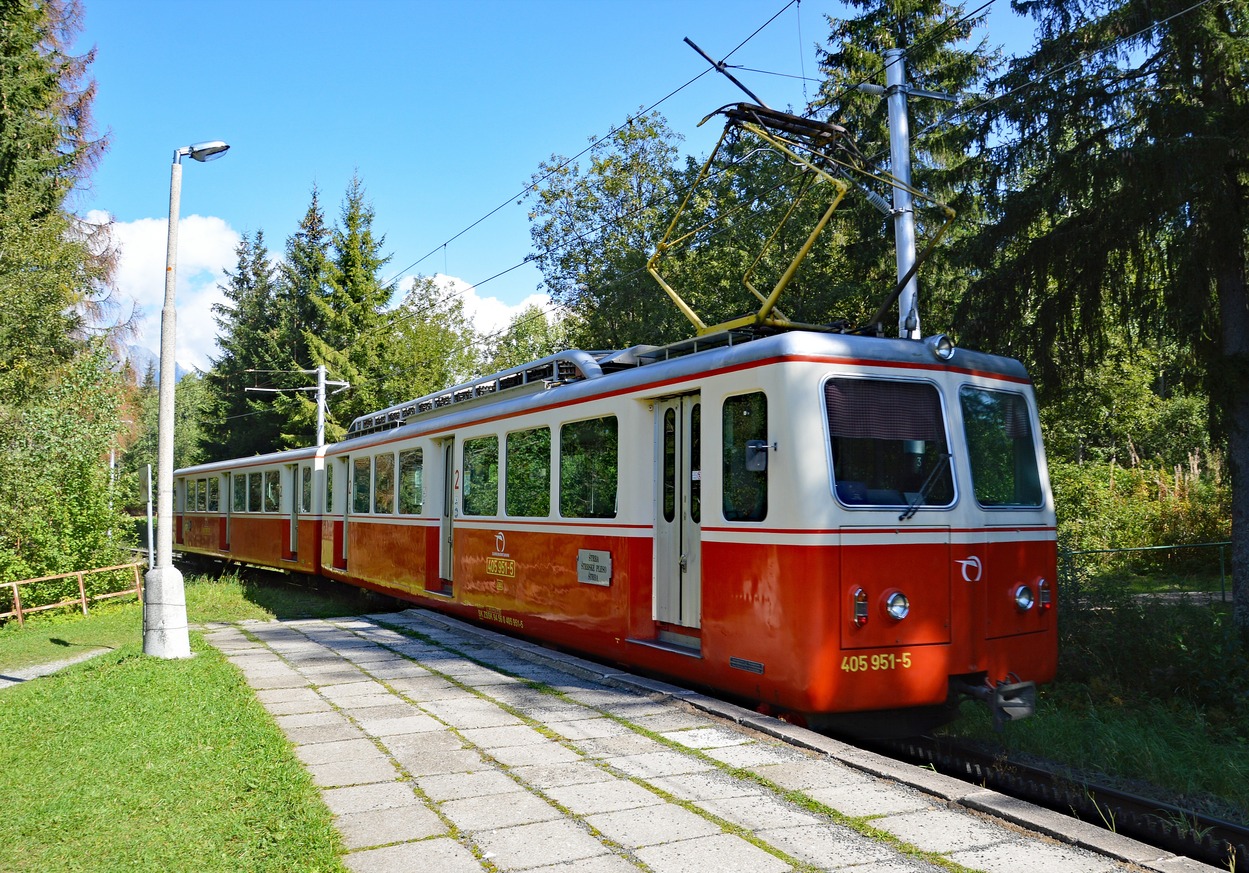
(876, 663)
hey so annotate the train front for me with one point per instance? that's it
(946, 543)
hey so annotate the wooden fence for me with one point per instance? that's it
(82, 597)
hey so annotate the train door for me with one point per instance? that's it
(678, 517)
(227, 509)
(341, 533)
(446, 555)
(292, 546)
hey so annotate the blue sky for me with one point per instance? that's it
(444, 109)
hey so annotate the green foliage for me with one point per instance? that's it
(593, 228)
(1105, 506)
(530, 335)
(57, 509)
(431, 344)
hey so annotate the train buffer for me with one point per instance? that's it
(442, 746)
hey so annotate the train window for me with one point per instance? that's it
(273, 491)
(305, 489)
(214, 498)
(239, 484)
(361, 478)
(384, 483)
(588, 468)
(254, 487)
(411, 482)
(189, 501)
(481, 476)
(888, 443)
(527, 488)
(745, 427)
(1004, 468)
(329, 485)
(201, 496)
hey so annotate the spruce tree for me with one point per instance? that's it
(353, 331)
(253, 351)
(939, 57)
(1119, 204)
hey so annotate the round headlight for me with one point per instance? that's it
(941, 346)
(1023, 598)
(897, 605)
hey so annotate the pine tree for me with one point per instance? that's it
(253, 352)
(352, 326)
(934, 36)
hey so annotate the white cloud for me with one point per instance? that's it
(489, 315)
(205, 252)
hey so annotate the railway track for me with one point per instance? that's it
(1158, 823)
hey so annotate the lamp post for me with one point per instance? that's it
(164, 597)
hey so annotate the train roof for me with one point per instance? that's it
(660, 363)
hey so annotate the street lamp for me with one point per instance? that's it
(164, 597)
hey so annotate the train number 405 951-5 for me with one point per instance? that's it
(870, 663)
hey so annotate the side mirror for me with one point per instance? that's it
(756, 456)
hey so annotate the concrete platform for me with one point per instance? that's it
(442, 746)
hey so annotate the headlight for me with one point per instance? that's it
(1023, 598)
(897, 606)
(941, 346)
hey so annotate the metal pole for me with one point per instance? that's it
(165, 633)
(151, 555)
(903, 206)
(321, 404)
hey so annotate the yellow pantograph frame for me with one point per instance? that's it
(768, 314)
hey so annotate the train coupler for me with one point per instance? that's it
(1008, 701)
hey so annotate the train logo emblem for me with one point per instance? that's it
(500, 543)
(971, 568)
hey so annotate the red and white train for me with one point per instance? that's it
(852, 531)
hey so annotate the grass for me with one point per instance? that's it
(127, 762)
(1152, 692)
(240, 595)
(1154, 750)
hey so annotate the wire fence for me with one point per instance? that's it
(1189, 567)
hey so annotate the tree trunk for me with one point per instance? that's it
(1234, 320)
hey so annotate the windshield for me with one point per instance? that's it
(888, 443)
(1004, 468)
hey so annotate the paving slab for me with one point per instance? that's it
(443, 855)
(536, 845)
(609, 795)
(380, 827)
(652, 826)
(728, 853)
(501, 811)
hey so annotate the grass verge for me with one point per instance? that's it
(127, 762)
(238, 595)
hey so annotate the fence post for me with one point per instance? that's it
(82, 593)
(1222, 576)
(138, 584)
(17, 604)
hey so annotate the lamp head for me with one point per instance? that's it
(208, 151)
